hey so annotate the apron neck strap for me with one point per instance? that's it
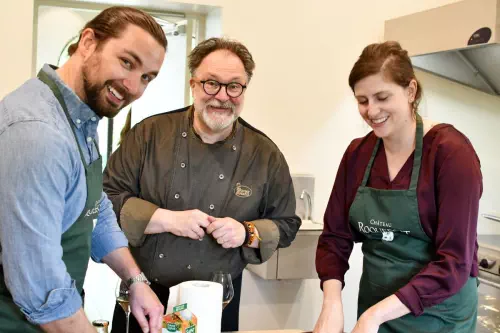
(45, 78)
(417, 158)
(419, 134)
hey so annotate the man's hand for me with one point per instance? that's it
(188, 223)
(228, 232)
(143, 302)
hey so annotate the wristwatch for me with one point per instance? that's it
(138, 278)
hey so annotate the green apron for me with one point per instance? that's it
(396, 248)
(76, 241)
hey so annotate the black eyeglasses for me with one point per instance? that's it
(233, 89)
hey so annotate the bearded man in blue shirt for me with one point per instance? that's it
(53, 213)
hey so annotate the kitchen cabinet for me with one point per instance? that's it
(296, 261)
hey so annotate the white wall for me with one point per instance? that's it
(477, 115)
(16, 36)
(213, 23)
(304, 50)
(55, 27)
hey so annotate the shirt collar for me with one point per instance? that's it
(79, 112)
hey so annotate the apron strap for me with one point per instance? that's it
(370, 164)
(417, 159)
(97, 147)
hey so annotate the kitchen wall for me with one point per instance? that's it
(55, 27)
(304, 50)
(18, 60)
(477, 115)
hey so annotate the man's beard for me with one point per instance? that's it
(218, 122)
(96, 94)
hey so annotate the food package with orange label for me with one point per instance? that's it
(181, 320)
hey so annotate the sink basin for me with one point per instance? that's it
(311, 225)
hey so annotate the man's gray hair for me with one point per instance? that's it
(213, 44)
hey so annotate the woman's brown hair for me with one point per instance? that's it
(392, 61)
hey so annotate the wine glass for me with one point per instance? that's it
(122, 298)
(227, 286)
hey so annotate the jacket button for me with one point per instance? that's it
(177, 195)
(161, 255)
(184, 134)
(234, 148)
(183, 165)
(212, 207)
(188, 266)
(221, 176)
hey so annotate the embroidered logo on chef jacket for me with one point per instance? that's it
(242, 191)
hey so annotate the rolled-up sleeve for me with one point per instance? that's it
(459, 188)
(37, 169)
(135, 216)
(279, 224)
(107, 235)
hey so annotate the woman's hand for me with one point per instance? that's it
(330, 321)
(388, 309)
(367, 323)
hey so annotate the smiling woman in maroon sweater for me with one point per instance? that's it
(409, 191)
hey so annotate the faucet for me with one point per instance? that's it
(492, 217)
(307, 204)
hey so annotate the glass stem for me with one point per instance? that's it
(127, 314)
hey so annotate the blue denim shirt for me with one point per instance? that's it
(42, 193)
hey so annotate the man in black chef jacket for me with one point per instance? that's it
(199, 190)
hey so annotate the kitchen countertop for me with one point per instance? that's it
(310, 225)
(489, 241)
